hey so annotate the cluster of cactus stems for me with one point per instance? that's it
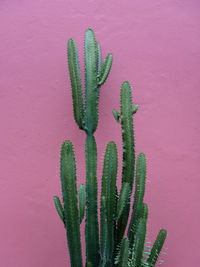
(109, 246)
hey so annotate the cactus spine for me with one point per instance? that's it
(110, 248)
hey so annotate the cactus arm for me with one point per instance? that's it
(91, 224)
(124, 253)
(91, 92)
(135, 108)
(139, 240)
(109, 192)
(128, 150)
(59, 208)
(75, 78)
(69, 192)
(138, 196)
(157, 246)
(127, 134)
(105, 69)
(123, 198)
(82, 201)
(116, 115)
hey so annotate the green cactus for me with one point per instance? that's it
(59, 208)
(123, 198)
(91, 91)
(139, 240)
(139, 195)
(71, 216)
(76, 84)
(108, 191)
(128, 151)
(111, 247)
(157, 248)
(123, 257)
(91, 224)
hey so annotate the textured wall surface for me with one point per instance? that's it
(156, 46)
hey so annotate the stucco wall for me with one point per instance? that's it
(156, 46)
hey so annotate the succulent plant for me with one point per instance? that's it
(109, 246)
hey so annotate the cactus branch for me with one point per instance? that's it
(135, 108)
(59, 208)
(116, 115)
(69, 191)
(91, 92)
(108, 199)
(105, 69)
(123, 198)
(75, 77)
(124, 253)
(157, 248)
(138, 246)
(139, 195)
(128, 151)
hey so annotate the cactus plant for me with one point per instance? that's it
(109, 247)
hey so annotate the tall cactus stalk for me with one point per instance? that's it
(138, 206)
(128, 151)
(91, 224)
(108, 192)
(109, 248)
(71, 216)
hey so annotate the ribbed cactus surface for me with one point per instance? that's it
(71, 215)
(108, 191)
(106, 243)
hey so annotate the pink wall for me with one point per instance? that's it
(156, 46)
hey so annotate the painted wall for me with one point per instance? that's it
(156, 46)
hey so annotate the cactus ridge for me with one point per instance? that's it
(82, 201)
(59, 208)
(69, 191)
(103, 230)
(99, 58)
(98, 66)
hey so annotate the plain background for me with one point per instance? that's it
(156, 47)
